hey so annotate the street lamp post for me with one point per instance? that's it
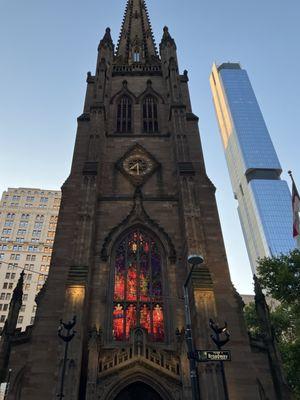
(66, 338)
(193, 260)
(219, 342)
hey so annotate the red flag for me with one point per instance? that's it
(296, 210)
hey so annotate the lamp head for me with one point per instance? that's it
(195, 259)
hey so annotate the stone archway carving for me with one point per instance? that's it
(138, 215)
(152, 382)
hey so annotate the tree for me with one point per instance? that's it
(280, 279)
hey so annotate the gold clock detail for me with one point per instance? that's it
(137, 165)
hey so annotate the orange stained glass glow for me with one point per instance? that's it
(131, 282)
(130, 319)
(158, 323)
(138, 287)
(145, 321)
(118, 322)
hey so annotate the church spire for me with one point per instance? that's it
(136, 43)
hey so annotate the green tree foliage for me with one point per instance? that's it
(280, 279)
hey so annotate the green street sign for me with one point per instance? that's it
(213, 355)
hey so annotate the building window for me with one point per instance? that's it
(136, 56)
(7, 296)
(5, 307)
(25, 297)
(1, 256)
(32, 320)
(5, 284)
(22, 309)
(10, 215)
(124, 115)
(2, 318)
(20, 319)
(23, 224)
(8, 223)
(138, 293)
(7, 275)
(150, 122)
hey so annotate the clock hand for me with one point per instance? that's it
(134, 166)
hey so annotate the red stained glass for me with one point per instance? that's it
(118, 322)
(131, 282)
(130, 319)
(138, 284)
(119, 292)
(144, 278)
(145, 318)
(158, 323)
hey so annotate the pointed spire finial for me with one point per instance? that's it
(106, 40)
(136, 43)
(167, 38)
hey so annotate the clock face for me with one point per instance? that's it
(137, 165)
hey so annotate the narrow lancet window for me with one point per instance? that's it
(138, 296)
(124, 115)
(136, 56)
(150, 122)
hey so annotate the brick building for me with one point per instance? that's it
(137, 203)
(28, 220)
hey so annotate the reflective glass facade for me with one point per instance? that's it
(264, 200)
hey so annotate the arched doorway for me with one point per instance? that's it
(138, 391)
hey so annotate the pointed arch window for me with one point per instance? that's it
(138, 291)
(124, 115)
(150, 121)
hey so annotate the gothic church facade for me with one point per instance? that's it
(137, 203)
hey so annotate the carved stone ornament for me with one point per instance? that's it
(137, 165)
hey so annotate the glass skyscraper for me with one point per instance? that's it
(264, 200)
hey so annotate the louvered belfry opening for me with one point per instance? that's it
(150, 121)
(124, 115)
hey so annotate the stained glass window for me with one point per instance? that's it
(138, 293)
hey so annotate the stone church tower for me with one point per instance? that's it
(137, 203)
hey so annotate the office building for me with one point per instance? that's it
(264, 200)
(28, 220)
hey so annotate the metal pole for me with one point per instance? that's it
(67, 338)
(222, 370)
(7, 385)
(189, 340)
(62, 382)
(220, 343)
(224, 381)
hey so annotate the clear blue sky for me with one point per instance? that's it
(47, 47)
